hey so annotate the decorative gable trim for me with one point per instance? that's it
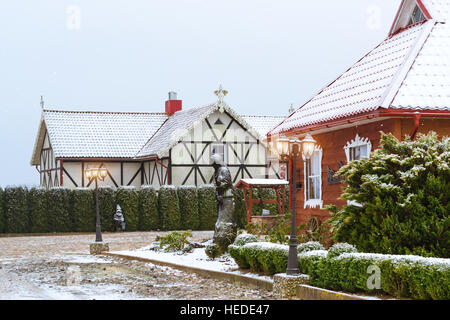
(358, 141)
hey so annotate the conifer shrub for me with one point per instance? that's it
(149, 216)
(37, 210)
(15, 210)
(107, 207)
(403, 193)
(59, 209)
(268, 194)
(188, 200)
(240, 213)
(128, 199)
(207, 206)
(169, 209)
(84, 211)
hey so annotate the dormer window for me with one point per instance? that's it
(417, 15)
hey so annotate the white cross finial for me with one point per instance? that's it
(221, 94)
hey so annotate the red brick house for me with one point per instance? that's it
(402, 86)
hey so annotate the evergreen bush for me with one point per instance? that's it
(240, 213)
(309, 246)
(149, 217)
(188, 200)
(84, 211)
(107, 207)
(169, 209)
(128, 199)
(37, 210)
(59, 209)
(207, 206)
(15, 210)
(403, 192)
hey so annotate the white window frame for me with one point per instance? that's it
(224, 146)
(358, 142)
(313, 203)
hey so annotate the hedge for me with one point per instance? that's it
(240, 212)
(37, 210)
(84, 212)
(169, 209)
(149, 216)
(188, 202)
(207, 206)
(128, 199)
(107, 207)
(15, 210)
(400, 275)
(59, 210)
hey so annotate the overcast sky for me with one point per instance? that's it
(126, 55)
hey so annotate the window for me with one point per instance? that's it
(219, 149)
(313, 179)
(416, 16)
(357, 149)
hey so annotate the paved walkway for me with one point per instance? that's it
(60, 267)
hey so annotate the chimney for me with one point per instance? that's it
(173, 105)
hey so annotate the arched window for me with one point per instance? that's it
(357, 149)
(313, 179)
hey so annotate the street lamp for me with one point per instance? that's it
(97, 173)
(290, 149)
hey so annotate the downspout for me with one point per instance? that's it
(416, 126)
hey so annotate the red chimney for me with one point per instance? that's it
(173, 105)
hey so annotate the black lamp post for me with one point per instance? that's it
(290, 149)
(97, 173)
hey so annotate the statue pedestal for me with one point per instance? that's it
(98, 247)
(285, 286)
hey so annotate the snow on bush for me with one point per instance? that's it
(340, 248)
(245, 238)
(309, 246)
(403, 192)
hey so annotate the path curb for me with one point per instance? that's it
(220, 275)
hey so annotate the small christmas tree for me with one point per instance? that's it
(398, 198)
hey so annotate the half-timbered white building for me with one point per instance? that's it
(172, 147)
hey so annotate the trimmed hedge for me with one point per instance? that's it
(15, 210)
(128, 199)
(107, 207)
(240, 213)
(169, 209)
(207, 206)
(188, 202)
(59, 210)
(84, 209)
(149, 216)
(37, 210)
(400, 275)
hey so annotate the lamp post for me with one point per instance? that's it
(97, 173)
(290, 150)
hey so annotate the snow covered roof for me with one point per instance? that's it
(182, 121)
(408, 70)
(123, 135)
(78, 134)
(261, 182)
(263, 124)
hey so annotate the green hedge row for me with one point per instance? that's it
(38, 210)
(341, 268)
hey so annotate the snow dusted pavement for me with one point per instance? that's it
(60, 267)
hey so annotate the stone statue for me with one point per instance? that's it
(119, 220)
(225, 228)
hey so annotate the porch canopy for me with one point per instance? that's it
(249, 184)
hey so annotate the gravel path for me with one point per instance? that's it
(60, 267)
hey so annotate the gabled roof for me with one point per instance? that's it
(127, 135)
(408, 70)
(181, 122)
(78, 134)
